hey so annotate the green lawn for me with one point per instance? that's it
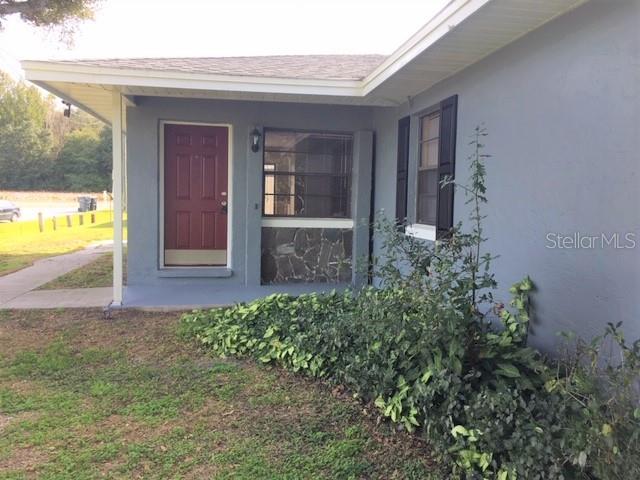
(22, 243)
(98, 273)
(82, 397)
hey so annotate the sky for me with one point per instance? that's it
(192, 28)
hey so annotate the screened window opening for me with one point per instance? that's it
(427, 198)
(307, 174)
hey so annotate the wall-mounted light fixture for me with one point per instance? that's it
(255, 140)
(67, 110)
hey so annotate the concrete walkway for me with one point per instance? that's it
(16, 289)
(66, 298)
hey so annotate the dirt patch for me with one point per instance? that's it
(5, 420)
(20, 332)
(35, 329)
(25, 459)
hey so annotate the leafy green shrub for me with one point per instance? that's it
(599, 382)
(434, 352)
(282, 329)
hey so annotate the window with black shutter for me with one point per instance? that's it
(436, 161)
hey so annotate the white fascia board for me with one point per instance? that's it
(56, 72)
(454, 13)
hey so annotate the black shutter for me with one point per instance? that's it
(402, 170)
(447, 163)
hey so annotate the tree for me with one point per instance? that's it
(84, 163)
(61, 126)
(25, 142)
(64, 14)
(41, 149)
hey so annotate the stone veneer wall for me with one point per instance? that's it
(296, 255)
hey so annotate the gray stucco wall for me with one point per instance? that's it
(562, 108)
(143, 123)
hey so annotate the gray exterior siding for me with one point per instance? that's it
(562, 108)
(143, 124)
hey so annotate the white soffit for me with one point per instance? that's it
(461, 34)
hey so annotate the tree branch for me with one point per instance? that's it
(8, 7)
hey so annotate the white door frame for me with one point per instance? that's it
(229, 128)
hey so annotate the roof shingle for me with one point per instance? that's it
(316, 67)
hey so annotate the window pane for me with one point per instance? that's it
(429, 154)
(269, 190)
(428, 182)
(305, 206)
(314, 185)
(281, 161)
(283, 204)
(336, 163)
(279, 140)
(430, 126)
(427, 195)
(312, 169)
(426, 213)
(283, 185)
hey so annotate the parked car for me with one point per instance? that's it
(9, 211)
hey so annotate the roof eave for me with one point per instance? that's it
(451, 15)
(409, 70)
(43, 71)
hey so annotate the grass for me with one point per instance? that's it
(21, 243)
(82, 397)
(98, 273)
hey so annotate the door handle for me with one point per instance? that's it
(225, 208)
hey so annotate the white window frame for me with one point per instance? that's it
(419, 230)
(307, 222)
(415, 229)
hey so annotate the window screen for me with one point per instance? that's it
(427, 198)
(307, 174)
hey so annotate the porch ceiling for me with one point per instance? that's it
(461, 34)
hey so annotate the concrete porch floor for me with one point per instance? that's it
(190, 297)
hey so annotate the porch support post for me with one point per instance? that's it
(361, 204)
(116, 129)
(254, 209)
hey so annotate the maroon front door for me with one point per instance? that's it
(195, 195)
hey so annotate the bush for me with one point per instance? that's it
(433, 351)
(601, 393)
